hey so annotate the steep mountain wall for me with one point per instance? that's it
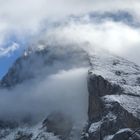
(114, 99)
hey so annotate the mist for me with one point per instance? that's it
(65, 91)
(63, 86)
(116, 37)
(30, 18)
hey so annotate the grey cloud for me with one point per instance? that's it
(27, 18)
(117, 37)
(65, 91)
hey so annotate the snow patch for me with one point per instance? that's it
(94, 127)
(130, 103)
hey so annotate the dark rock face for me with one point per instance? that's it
(59, 123)
(23, 136)
(138, 81)
(8, 124)
(126, 134)
(99, 87)
(16, 74)
(109, 115)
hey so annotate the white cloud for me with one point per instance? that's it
(116, 37)
(28, 14)
(65, 91)
(26, 18)
(8, 50)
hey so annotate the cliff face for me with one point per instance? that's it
(113, 88)
(114, 99)
(107, 117)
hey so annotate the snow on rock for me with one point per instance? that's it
(116, 70)
(114, 96)
(94, 127)
(28, 133)
(127, 134)
(111, 116)
(109, 137)
(130, 103)
(120, 72)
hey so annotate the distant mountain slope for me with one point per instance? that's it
(40, 62)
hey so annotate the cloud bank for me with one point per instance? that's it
(30, 18)
(65, 91)
(116, 37)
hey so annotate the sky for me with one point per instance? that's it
(111, 24)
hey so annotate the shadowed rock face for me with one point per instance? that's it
(126, 134)
(109, 115)
(99, 87)
(23, 136)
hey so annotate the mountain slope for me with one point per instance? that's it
(113, 92)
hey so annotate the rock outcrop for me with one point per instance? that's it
(113, 100)
(107, 117)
